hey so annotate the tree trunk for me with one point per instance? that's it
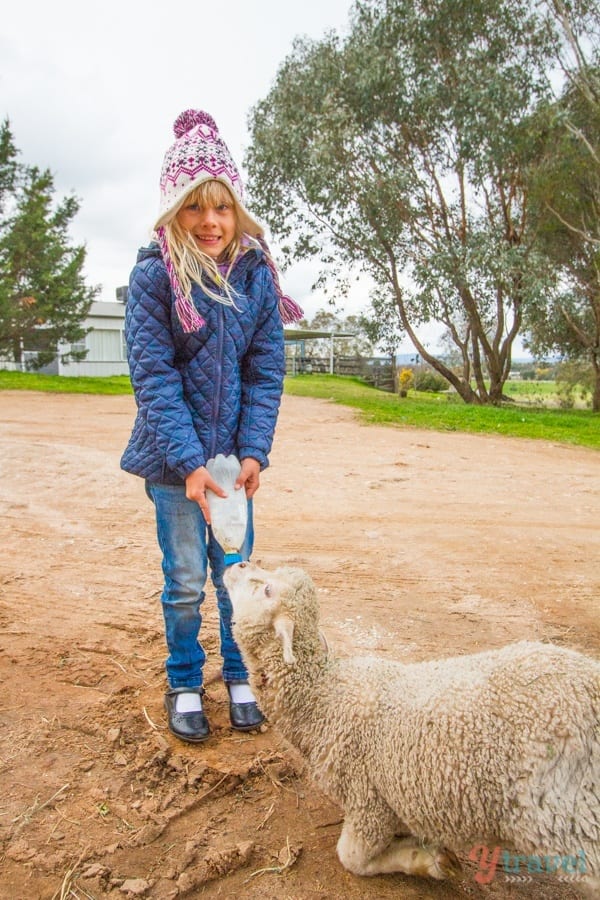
(596, 390)
(460, 385)
(17, 351)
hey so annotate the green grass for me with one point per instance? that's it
(447, 412)
(59, 384)
(531, 391)
(546, 393)
(439, 412)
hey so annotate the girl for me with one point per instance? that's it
(206, 356)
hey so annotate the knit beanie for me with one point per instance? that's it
(200, 154)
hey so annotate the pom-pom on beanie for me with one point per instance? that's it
(200, 154)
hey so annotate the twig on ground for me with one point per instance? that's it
(123, 669)
(28, 814)
(65, 891)
(270, 812)
(292, 856)
(186, 809)
(150, 722)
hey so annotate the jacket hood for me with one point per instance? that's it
(152, 250)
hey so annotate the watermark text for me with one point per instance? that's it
(492, 861)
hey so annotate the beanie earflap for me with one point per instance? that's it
(288, 309)
(188, 315)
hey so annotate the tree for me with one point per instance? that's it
(43, 296)
(565, 189)
(8, 166)
(399, 150)
(359, 344)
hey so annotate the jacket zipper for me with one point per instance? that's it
(218, 381)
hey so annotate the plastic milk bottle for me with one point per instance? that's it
(229, 515)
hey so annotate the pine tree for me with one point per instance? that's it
(43, 296)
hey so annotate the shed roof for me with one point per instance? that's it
(304, 334)
(107, 308)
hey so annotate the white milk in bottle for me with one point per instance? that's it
(229, 515)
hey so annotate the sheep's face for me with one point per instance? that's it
(253, 591)
(265, 601)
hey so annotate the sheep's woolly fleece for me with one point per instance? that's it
(500, 747)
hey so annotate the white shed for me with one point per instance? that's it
(105, 343)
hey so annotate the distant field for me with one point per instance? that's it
(531, 390)
(439, 412)
(543, 393)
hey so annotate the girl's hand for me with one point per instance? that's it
(249, 477)
(196, 485)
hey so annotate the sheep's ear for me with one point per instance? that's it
(284, 629)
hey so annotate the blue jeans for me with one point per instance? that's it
(188, 546)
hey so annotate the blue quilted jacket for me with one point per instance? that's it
(216, 390)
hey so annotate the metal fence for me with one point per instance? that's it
(375, 370)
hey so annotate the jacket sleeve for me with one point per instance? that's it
(155, 378)
(263, 370)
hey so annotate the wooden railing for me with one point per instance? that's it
(377, 371)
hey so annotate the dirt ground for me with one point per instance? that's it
(421, 544)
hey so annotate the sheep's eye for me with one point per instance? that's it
(242, 565)
(268, 590)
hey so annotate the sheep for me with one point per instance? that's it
(499, 748)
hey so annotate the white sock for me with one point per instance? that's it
(188, 702)
(241, 693)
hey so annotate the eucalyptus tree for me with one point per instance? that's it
(565, 191)
(43, 295)
(398, 149)
(355, 343)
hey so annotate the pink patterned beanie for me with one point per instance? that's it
(200, 154)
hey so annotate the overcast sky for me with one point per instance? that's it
(92, 90)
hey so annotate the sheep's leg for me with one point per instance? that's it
(367, 857)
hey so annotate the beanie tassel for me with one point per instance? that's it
(288, 308)
(188, 315)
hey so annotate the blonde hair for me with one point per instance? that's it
(191, 265)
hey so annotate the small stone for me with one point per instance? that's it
(136, 886)
(177, 763)
(245, 849)
(96, 870)
(196, 774)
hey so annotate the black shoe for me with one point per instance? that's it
(189, 726)
(244, 716)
